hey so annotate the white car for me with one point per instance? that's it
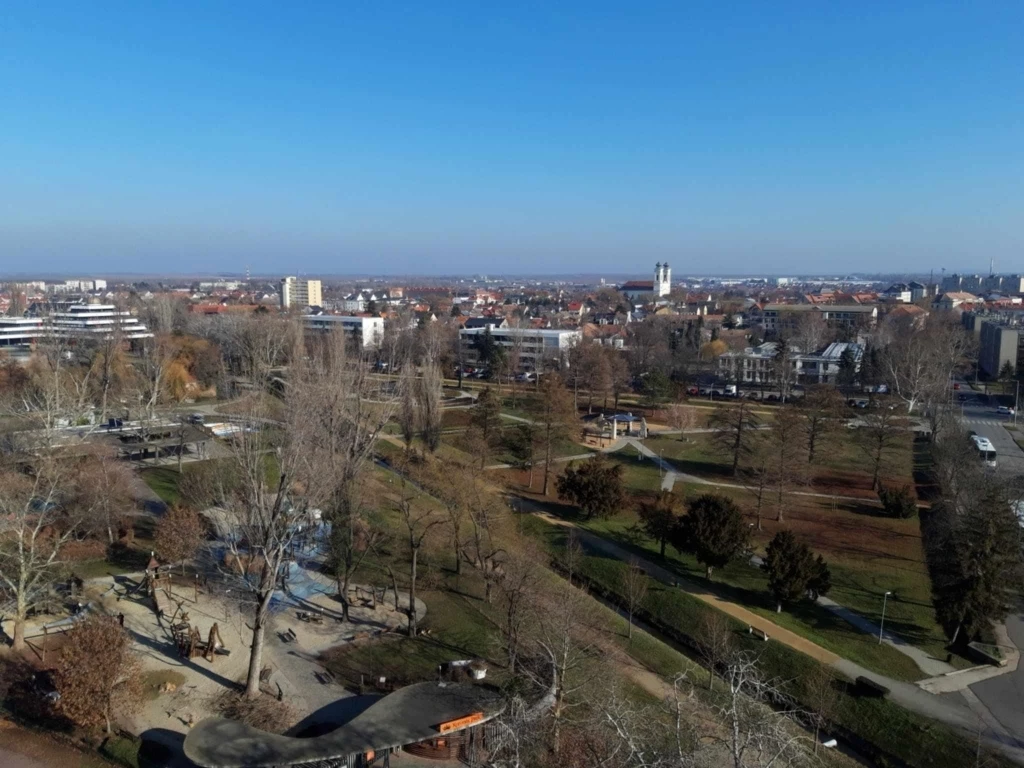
(1005, 410)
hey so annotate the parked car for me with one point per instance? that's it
(1005, 410)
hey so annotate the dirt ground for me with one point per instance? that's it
(291, 651)
(22, 748)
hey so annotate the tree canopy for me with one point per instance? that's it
(712, 530)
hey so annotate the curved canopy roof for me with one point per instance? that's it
(408, 715)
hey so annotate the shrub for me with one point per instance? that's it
(898, 502)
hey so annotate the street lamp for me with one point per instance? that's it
(882, 625)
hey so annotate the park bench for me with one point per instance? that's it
(760, 634)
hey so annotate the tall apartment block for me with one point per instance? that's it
(300, 293)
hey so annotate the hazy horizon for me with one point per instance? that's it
(580, 138)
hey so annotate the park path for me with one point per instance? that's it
(964, 713)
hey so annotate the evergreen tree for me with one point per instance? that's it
(977, 566)
(658, 518)
(595, 486)
(713, 530)
(847, 375)
(793, 570)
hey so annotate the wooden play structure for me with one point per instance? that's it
(191, 644)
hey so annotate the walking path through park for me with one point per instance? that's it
(963, 712)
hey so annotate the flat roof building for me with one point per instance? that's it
(534, 345)
(367, 332)
(432, 720)
(296, 292)
(71, 322)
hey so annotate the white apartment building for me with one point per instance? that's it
(367, 332)
(76, 322)
(534, 344)
(78, 286)
(296, 292)
(757, 365)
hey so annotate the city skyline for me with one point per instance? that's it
(563, 141)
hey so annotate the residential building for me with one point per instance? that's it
(759, 365)
(78, 286)
(296, 292)
(954, 299)
(1008, 284)
(366, 332)
(898, 292)
(1000, 344)
(535, 345)
(784, 317)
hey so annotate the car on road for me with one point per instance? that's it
(1005, 410)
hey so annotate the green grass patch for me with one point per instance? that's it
(164, 481)
(918, 741)
(122, 750)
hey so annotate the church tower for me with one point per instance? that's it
(662, 280)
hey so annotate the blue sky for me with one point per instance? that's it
(447, 137)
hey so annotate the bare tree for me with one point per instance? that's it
(821, 692)
(429, 400)
(419, 522)
(34, 526)
(821, 409)
(756, 735)
(715, 641)
(517, 596)
(882, 430)
(787, 451)
(734, 426)
(98, 675)
(104, 491)
(179, 535)
(758, 475)
(682, 417)
(556, 419)
(811, 332)
(562, 639)
(634, 590)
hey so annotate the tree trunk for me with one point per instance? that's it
(707, 572)
(778, 607)
(547, 464)
(18, 643)
(458, 560)
(412, 592)
(629, 626)
(663, 542)
(343, 593)
(259, 625)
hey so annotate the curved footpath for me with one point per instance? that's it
(962, 712)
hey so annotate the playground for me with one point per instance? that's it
(192, 632)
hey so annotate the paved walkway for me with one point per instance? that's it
(952, 710)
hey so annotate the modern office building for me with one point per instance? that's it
(296, 292)
(367, 332)
(71, 322)
(1010, 285)
(533, 345)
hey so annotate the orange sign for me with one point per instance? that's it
(462, 722)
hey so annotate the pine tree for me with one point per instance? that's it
(658, 518)
(978, 567)
(793, 571)
(713, 530)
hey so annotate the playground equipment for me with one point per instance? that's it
(191, 644)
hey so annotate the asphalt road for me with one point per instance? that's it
(1003, 695)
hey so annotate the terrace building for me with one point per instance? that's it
(71, 322)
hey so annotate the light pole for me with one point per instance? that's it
(882, 625)
(1016, 403)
